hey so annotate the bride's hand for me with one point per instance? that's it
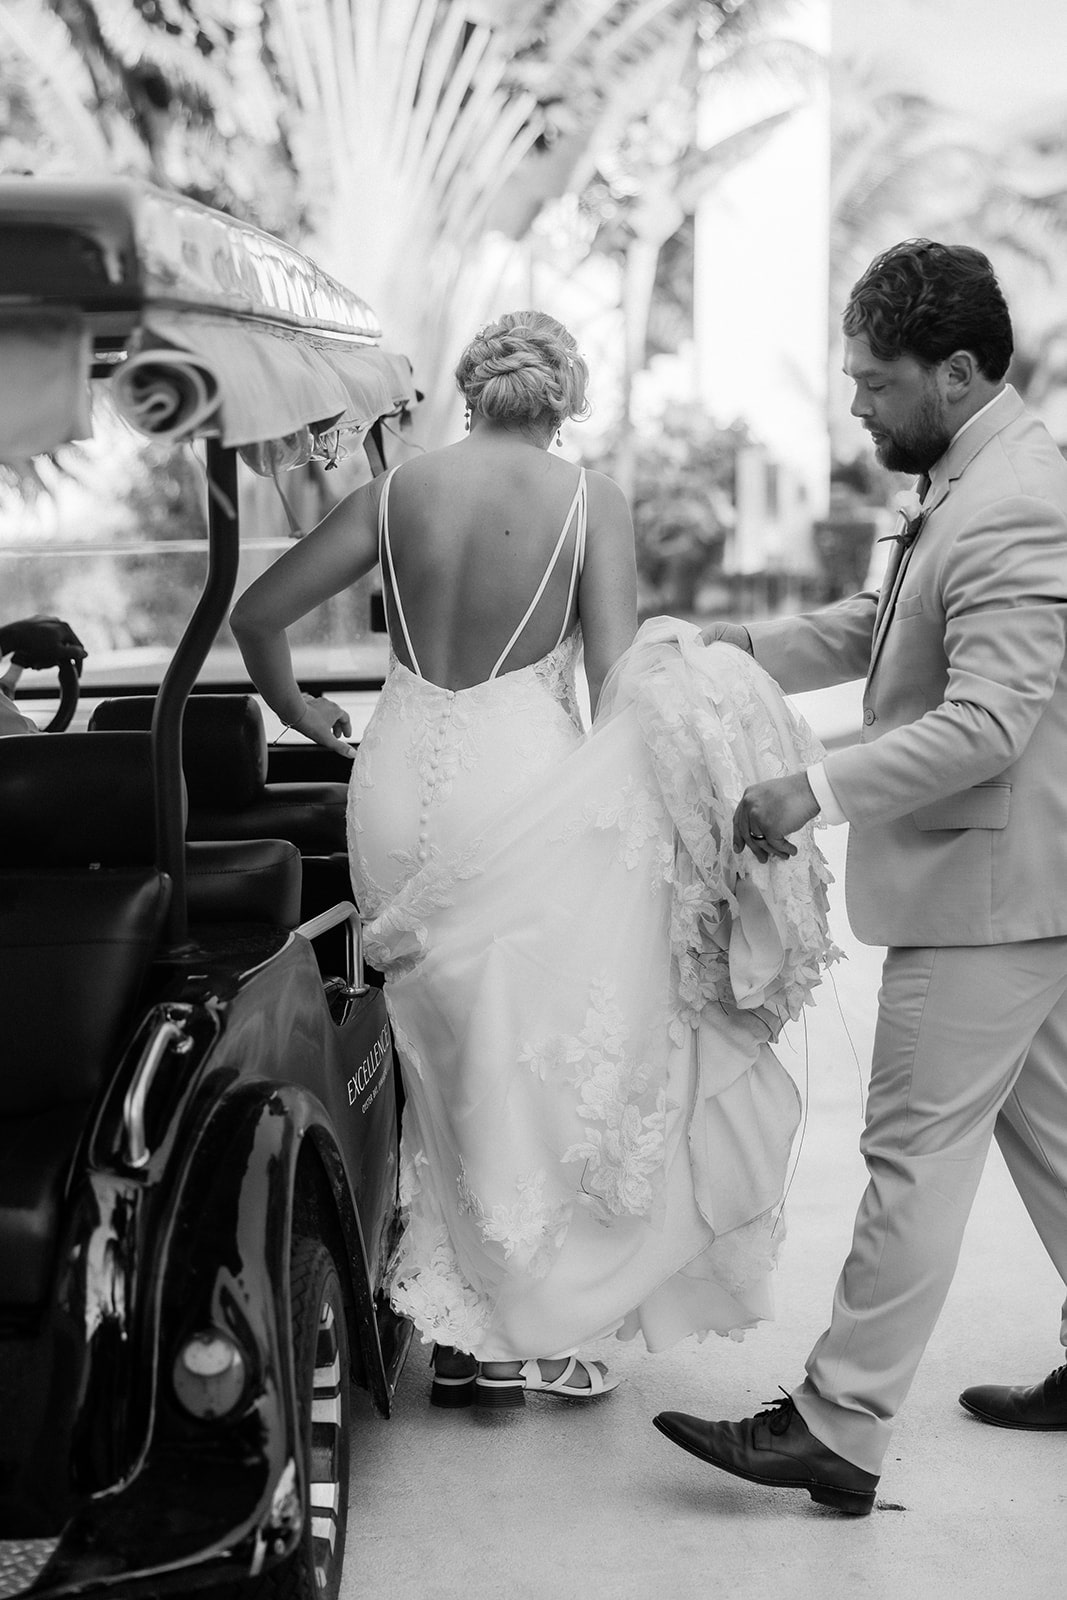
(327, 724)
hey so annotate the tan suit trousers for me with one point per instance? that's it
(970, 1042)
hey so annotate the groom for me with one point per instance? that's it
(957, 804)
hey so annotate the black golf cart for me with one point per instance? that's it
(198, 1114)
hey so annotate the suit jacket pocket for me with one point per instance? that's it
(985, 806)
(909, 605)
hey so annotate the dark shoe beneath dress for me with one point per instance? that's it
(775, 1447)
(454, 1372)
(1042, 1407)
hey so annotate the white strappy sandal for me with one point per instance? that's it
(600, 1381)
(511, 1392)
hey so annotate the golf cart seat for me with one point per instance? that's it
(224, 757)
(82, 906)
(224, 760)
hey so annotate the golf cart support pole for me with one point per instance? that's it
(208, 616)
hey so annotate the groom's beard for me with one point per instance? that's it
(915, 446)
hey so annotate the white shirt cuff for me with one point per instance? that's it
(822, 789)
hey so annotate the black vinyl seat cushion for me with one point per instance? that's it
(75, 948)
(81, 799)
(35, 1156)
(224, 743)
(224, 757)
(77, 800)
(74, 951)
(243, 880)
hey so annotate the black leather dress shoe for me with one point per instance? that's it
(775, 1447)
(1042, 1407)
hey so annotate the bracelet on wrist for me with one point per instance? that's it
(285, 728)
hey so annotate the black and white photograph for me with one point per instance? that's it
(533, 799)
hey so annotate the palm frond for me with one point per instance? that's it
(703, 166)
(63, 80)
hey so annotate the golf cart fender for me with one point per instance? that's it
(269, 1164)
(224, 1265)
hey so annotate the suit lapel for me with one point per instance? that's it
(898, 565)
(887, 593)
(895, 570)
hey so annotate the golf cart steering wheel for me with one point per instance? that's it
(41, 643)
(69, 690)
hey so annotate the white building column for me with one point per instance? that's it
(760, 305)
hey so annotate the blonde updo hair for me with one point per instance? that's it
(524, 368)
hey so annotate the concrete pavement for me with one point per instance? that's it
(590, 1503)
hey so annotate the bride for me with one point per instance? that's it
(583, 976)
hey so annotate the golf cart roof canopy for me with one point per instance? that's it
(203, 326)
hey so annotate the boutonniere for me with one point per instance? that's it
(912, 516)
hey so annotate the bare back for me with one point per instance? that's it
(472, 532)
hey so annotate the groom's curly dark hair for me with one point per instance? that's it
(928, 300)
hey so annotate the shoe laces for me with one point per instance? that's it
(778, 1414)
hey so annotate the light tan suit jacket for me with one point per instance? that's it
(957, 792)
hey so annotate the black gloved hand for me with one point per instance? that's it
(41, 642)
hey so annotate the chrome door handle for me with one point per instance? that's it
(169, 1031)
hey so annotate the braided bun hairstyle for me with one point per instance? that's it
(524, 368)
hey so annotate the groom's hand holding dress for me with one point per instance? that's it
(734, 633)
(769, 812)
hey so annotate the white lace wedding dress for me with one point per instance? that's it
(582, 980)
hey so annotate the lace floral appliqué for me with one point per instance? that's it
(622, 1157)
(396, 940)
(424, 1277)
(714, 722)
(531, 1231)
(641, 820)
(556, 674)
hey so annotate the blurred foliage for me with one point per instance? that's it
(844, 538)
(163, 493)
(178, 92)
(163, 496)
(652, 170)
(683, 505)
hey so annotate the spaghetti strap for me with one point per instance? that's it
(385, 548)
(578, 562)
(577, 504)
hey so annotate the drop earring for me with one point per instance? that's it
(467, 420)
(559, 438)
